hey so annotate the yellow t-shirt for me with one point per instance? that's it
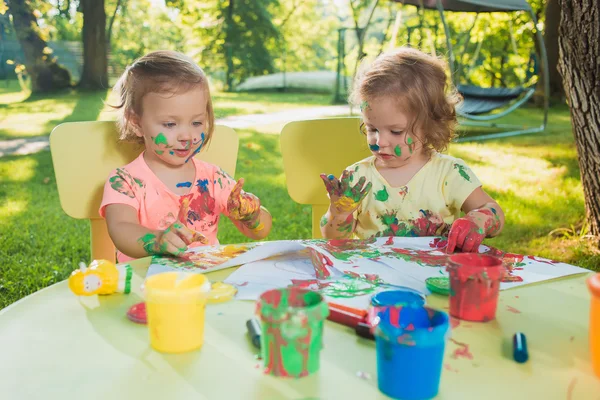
(426, 206)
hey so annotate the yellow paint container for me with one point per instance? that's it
(175, 304)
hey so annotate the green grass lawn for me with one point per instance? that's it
(22, 115)
(535, 178)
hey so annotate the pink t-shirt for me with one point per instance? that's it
(158, 207)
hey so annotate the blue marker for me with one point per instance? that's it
(520, 353)
(254, 331)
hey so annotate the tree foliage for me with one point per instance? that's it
(235, 39)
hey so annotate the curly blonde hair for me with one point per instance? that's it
(158, 72)
(418, 83)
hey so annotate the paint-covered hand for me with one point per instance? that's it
(466, 235)
(345, 197)
(243, 206)
(173, 240)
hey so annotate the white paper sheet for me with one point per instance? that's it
(356, 269)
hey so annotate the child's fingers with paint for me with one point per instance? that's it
(345, 180)
(460, 230)
(169, 242)
(331, 184)
(363, 191)
(242, 205)
(472, 242)
(186, 234)
(345, 197)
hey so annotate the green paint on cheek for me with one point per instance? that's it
(398, 150)
(382, 195)
(160, 139)
(364, 105)
(410, 144)
(159, 152)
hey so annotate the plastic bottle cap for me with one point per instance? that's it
(594, 284)
(439, 284)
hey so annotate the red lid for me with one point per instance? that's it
(137, 313)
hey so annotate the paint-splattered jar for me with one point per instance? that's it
(410, 343)
(594, 286)
(474, 286)
(292, 331)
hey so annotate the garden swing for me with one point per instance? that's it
(482, 105)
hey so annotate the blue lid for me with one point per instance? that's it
(405, 297)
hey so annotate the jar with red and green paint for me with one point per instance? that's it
(292, 331)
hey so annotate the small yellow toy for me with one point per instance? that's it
(101, 277)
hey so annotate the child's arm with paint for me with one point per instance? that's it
(344, 198)
(137, 241)
(246, 213)
(484, 218)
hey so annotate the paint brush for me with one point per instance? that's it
(344, 318)
(345, 315)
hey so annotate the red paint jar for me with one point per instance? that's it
(474, 286)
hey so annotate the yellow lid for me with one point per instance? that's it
(221, 292)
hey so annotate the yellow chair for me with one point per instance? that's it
(84, 153)
(310, 148)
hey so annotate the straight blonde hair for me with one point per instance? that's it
(158, 72)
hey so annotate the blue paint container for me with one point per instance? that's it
(410, 344)
(392, 298)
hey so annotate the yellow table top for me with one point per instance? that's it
(55, 345)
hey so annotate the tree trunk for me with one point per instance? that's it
(95, 57)
(111, 23)
(551, 40)
(579, 65)
(44, 72)
(228, 46)
(361, 33)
